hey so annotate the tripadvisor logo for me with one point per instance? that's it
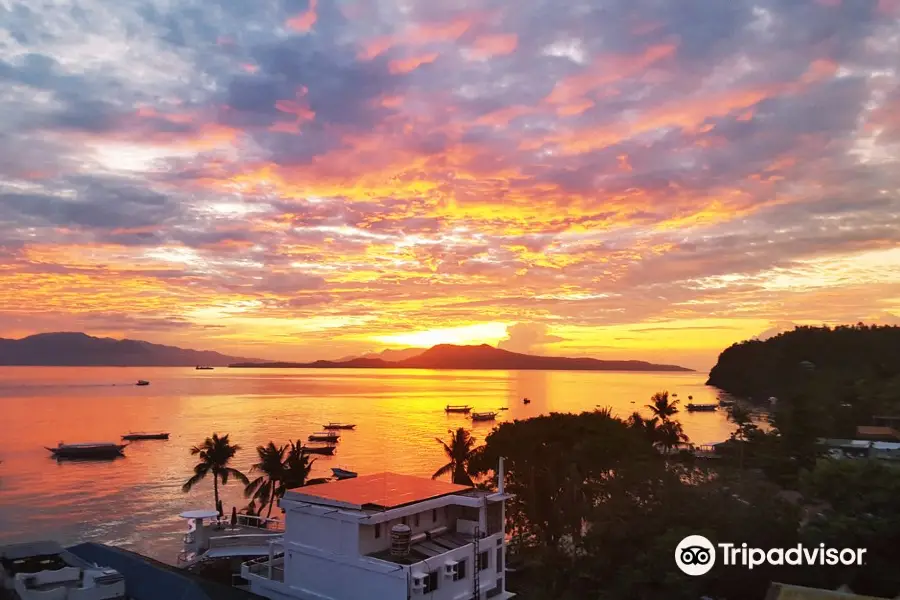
(696, 555)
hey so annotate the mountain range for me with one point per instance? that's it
(80, 349)
(483, 357)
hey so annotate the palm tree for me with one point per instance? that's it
(215, 454)
(460, 451)
(662, 407)
(296, 469)
(670, 435)
(648, 427)
(271, 466)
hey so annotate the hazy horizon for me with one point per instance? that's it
(307, 179)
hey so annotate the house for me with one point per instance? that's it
(386, 536)
(877, 433)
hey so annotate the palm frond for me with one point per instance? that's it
(443, 470)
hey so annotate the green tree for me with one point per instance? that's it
(215, 455)
(459, 451)
(271, 466)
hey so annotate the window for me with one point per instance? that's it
(431, 583)
(447, 512)
(403, 520)
(499, 560)
(483, 561)
(416, 519)
(434, 515)
(460, 571)
(377, 530)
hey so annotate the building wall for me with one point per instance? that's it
(447, 588)
(317, 531)
(368, 543)
(350, 579)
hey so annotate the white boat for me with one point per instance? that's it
(340, 473)
(45, 571)
(484, 416)
(692, 407)
(324, 436)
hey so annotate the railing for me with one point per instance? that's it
(260, 567)
(260, 522)
(238, 539)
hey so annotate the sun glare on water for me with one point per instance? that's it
(485, 333)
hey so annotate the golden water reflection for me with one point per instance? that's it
(134, 501)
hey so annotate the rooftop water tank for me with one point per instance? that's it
(400, 540)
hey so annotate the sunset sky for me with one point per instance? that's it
(298, 179)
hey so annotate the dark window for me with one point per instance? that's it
(431, 583)
(377, 530)
(483, 561)
(447, 512)
(434, 515)
(499, 541)
(499, 560)
(460, 571)
(416, 519)
(403, 520)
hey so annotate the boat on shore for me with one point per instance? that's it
(142, 382)
(326, 450)
(145, 436)
(88, 450)
(693, 407)
(340, 473)
(484, 416)
(457, 408)
(339, 426)
(324, 436)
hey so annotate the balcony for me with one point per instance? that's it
(261, 567)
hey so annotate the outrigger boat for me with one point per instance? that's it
(343, 473)
(328, 450)
(339, 426)
(145, 436)
(202, 368)
(702, 407)
(91, 450)
(484, 416)
(142, 382)
(457, 408)
(325, 436)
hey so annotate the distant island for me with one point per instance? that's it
(483, 357)
(79, 349)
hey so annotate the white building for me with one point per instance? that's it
(386, 537)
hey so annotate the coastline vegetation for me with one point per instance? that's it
(601, 503)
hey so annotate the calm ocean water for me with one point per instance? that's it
(134, 501)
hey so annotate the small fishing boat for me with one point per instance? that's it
(526, 401)
(457, 408)
(88, 450)
(142, 382)
(340, 426)
(692, 407)
(202, 368)
(145, 436)
(343, 473)
(324, 436)
(327, 450)
(484, 416)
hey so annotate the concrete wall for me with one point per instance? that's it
(453, 590)
(325, 577)
(368, 543)
(316, 531)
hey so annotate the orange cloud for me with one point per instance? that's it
(488, 46)
(407, 65)
(306, 20)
